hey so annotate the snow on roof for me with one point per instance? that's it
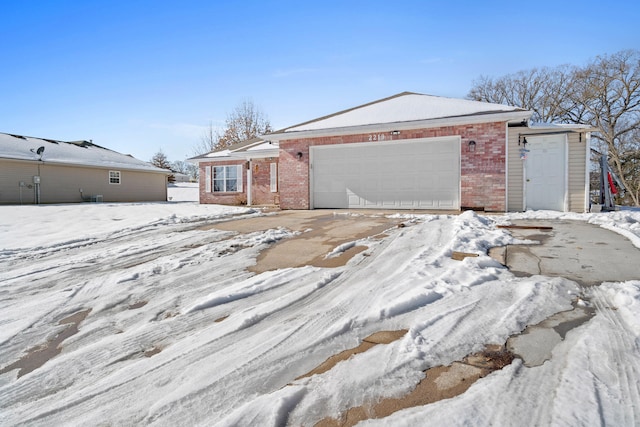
(404, 107)
(78, 153)
(267, 145)
(255, 146)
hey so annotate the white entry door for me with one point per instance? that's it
(546, 173)
(409, 174)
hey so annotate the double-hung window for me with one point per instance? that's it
(114, 177)
(227, 179)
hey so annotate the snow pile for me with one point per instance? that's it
(176, 314)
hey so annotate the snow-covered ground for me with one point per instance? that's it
(180, 333)
(183, 192)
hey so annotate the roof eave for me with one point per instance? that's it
(257, 154)
(90, 166)
(503, 116)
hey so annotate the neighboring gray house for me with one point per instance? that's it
(37, 170)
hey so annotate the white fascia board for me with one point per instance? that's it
(207, 159)
(512, 116)
(257, 154)
(563, 126)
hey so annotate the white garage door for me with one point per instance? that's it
(412, 174)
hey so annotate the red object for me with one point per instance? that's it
(611, 184)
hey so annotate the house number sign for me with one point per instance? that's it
(376, 137)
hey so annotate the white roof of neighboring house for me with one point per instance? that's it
(404, 107)
(77, 153)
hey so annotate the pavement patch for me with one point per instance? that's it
(381, 337)
(319, 233)
(534, 346)
(440, 382)
(39, 355)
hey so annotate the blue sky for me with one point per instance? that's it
(139, 76)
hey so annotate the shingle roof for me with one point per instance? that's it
(403, 107)
(78, 153)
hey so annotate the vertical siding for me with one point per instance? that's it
(577, 171)
(62, 184)
(515, 177)
(576, 163)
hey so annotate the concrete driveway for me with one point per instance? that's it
(576, 250)
(321, 231)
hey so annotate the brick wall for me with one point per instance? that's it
(482, 179)
(236, 198)
(261, 184)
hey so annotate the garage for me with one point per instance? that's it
(410, 174)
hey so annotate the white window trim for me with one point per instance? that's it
(239, 169)
(117, 174)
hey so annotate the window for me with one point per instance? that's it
(114, 177)
(227, 179)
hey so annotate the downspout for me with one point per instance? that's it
(567, 196)
(249, 181)
(506, 167)
(587, 177)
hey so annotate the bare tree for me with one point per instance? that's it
(160, 160)
(541, 90)
(604, 94)
(188, 169)
(208, 141)
(246, 121)
(609, 89)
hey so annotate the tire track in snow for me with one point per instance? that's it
(625, 371)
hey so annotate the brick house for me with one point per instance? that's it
(242, 174)
(415, 151)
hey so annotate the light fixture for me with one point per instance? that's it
(395, 132)
(524, 140)
(472, 146)
(299, 155)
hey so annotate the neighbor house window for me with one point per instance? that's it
(227, 179)
(114, 177)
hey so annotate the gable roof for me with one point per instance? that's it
(251, 148)
(405, 108)
(74, 153)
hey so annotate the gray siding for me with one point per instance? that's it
(62, 184)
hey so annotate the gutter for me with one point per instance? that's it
(515, 116)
